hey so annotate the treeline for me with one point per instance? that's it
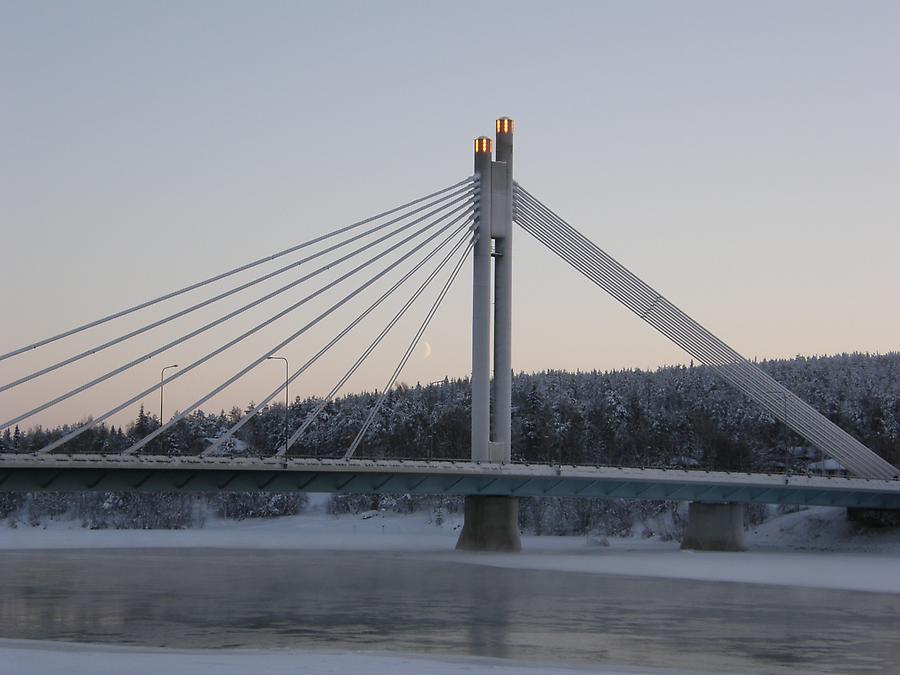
(674, 416)
(144, 510)
(551, 515)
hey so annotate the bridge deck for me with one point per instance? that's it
(213, 474)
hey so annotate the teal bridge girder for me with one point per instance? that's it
(59, 473)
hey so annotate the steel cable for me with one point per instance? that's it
(466, 203)
(236, 270)
(409, 351)
(262, 404)
(258, 327)
(687, 333)
(461, 194)
(234, 378)
(866, 462)
(806, 421)
(313, 415)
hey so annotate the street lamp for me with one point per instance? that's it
(286, 400)
(162, 374)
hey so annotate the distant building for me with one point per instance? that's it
(827, 467)
(685, 462)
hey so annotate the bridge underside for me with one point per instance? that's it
(58, 473)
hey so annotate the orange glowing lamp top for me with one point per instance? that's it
(483, 144)
(504, 125)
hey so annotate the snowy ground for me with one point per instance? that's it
(22, 657)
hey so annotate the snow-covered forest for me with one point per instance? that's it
(675, 417)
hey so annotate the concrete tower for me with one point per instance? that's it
(491, 521)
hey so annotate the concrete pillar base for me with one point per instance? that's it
(874, 517)
(491, 524)
(714, 527)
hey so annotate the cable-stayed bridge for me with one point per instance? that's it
(414, 251)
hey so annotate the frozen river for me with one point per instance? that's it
(427, 603)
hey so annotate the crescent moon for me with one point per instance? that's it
(427, 350)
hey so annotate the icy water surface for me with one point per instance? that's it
(208, 598)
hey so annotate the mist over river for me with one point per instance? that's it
(425, 602)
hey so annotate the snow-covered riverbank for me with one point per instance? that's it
(812, 548)
(25, 657)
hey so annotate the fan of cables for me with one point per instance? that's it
(610, 275)
(432, 235)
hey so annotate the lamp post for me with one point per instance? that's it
(162, 375)
(286, 400)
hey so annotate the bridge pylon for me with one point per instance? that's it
(491, 521)
(481, 306)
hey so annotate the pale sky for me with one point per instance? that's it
(742, 159)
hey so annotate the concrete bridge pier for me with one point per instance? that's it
(874, 517)
(717, 526)
(491, 524)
